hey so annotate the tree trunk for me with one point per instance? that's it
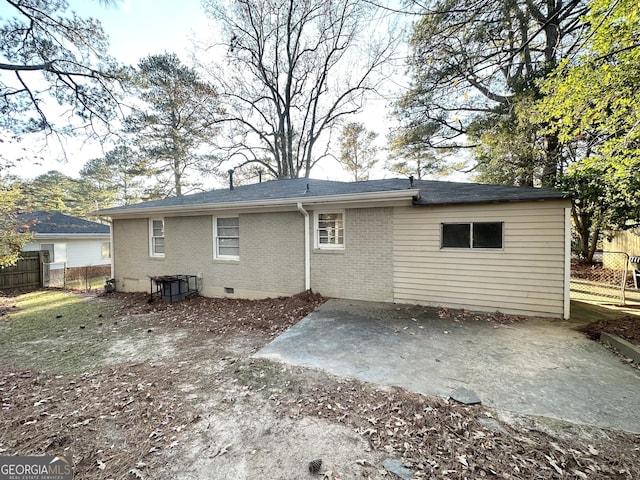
(552, 160)
(595, 236)
(177, 177)
(581, 225)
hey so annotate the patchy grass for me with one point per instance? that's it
(57, 331)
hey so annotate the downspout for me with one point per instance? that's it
(111, 248)
(307, 250)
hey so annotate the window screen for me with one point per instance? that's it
(487, 235)
(157, 238)
(228, 237)
(456, 235)
(472, 235)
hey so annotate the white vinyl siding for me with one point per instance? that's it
(156, 237)
(526, 276)
(74, 252)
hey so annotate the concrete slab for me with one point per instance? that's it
(538, 367)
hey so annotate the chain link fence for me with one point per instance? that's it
(77, 278)
(602, 283)
(57, 275)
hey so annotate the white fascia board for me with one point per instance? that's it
(71, 236)
(279, 203)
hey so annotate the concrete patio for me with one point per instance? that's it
(536, 367)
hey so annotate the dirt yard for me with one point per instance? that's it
(142, 390)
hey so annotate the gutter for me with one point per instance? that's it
(387, 195)
(70, 236)
(307, 249)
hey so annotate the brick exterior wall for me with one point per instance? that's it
(130, 250)
(364, 269)
(271, 255)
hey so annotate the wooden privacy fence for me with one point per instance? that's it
(29, 272)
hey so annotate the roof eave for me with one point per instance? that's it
(493, 200)
(352, 198)
(75, 236)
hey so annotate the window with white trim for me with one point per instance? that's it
(105, 252)
(472, 235)
(156, 237)
(227, 238)
(329, 230)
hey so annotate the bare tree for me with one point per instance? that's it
(47, 57)
(294, 70)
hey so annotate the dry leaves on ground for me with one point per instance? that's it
(439, 438)
(119, 420)
(223, 315)
(627, 327)
(114, 418)
(464, 315)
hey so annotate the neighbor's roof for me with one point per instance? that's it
(59, 223)
(422, 192)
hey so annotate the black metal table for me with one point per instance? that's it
(172, 288)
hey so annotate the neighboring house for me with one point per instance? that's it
(473, 246)
(70, 240)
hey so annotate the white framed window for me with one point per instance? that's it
(329, 230)
(105, 250)
(156, 237)
(472, 235)
(226, 232)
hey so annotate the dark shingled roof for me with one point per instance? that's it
(431, 193)
(58, 223)
(444, 193)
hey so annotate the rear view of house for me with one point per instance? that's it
(474, 246)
